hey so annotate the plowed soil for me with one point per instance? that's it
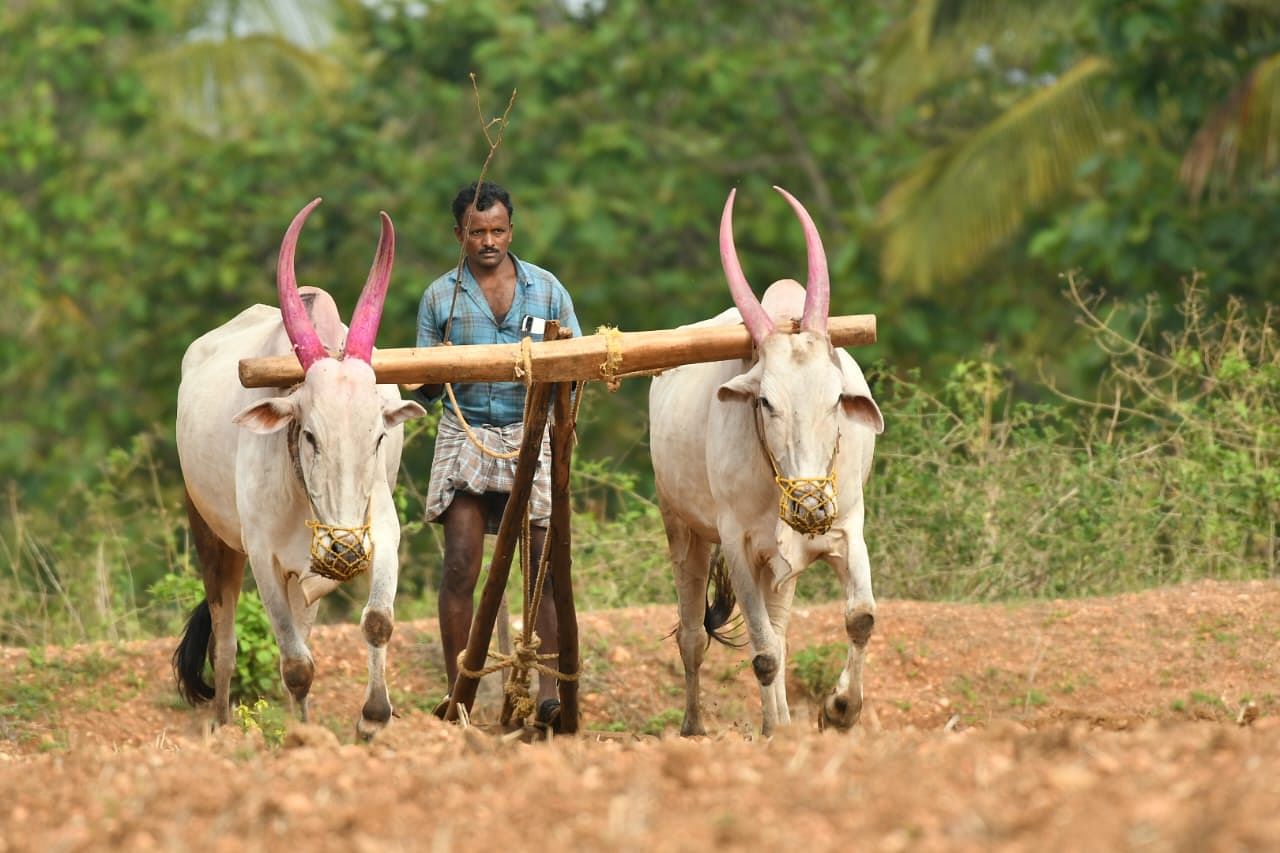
(1143, 721)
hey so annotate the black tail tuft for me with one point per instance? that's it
(720, 606)
(189, 657)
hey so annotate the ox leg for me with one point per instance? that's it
(297, 668)
(844, 706)
(751, 575)
(778, 605)
(691, 562)
(222, 644)
(377, 622)
(222, 569)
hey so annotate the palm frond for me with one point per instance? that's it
(239, 59)
(1244, 130)
(215, 86)
(939, 39)
(965, 199)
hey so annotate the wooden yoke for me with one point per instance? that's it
(576, 359)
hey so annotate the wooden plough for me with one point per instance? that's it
(550, 368)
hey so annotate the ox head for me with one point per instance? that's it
(338, 420)
(797, 386)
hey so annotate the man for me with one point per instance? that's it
(498, 299)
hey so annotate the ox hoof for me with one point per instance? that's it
(374, 717)
(693, 728)
(839, 712)
(367, 729)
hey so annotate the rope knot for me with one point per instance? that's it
(612, 363)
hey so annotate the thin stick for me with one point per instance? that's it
(484, 170)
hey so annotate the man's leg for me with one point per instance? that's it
(464, 523)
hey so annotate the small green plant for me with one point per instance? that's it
(1034, 698)
(662, 721)
(262, 717)
(257, 668)
(1207, 700)
(817, 668)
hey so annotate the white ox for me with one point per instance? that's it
(768, 457)
(299, 481)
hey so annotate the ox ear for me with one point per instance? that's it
(267, 416)
(744, 386)
(864, 410)
(857, 403)
(394, 414)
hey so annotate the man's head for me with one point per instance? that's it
(482, 214)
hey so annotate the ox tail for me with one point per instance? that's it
(189, 658)
(718, 620)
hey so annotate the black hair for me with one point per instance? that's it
(484, 194)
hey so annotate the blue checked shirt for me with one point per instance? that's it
(538, 293)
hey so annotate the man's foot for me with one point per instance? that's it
(442, 708)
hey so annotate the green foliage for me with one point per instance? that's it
(1167, 476)
(135, 218)
(257, 672)
(817, 668)
(663, 721)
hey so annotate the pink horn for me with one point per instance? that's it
(753, 316)
(817, 291)
(368, 313)
(306, 343)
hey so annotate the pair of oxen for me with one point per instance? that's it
(766, 457)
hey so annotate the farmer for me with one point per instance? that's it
(497, 299)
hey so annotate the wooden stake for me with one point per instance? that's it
(464, 690)
(559, 541)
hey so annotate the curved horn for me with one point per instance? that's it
(753, 316)
(817, 291)
(306, 343)
(368, 313)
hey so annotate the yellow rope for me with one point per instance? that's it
(523, 371)
(613, 356)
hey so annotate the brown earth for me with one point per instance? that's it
(1144, 721)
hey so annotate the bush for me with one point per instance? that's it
(257, 672)
(1172, 473)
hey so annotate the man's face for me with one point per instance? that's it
(487, 236)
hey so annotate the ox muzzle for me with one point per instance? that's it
(807, 504)
(340, 553)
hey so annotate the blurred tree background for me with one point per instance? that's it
(958, 157)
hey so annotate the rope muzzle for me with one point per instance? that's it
(807, 504)
(340, 553)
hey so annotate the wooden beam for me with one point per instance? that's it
(576, 359)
